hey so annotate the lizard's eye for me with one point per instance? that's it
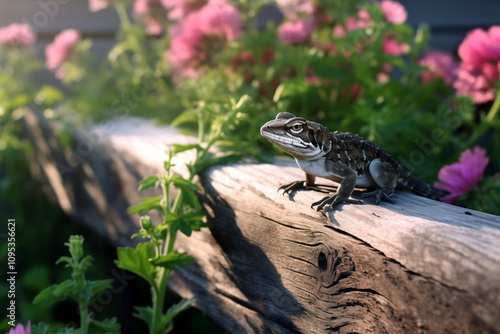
(296, 128)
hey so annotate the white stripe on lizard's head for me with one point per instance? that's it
(296, 136)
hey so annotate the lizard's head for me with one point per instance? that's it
(296, 136)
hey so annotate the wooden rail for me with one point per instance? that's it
(270, 264)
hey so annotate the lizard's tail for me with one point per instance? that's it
(421, 188)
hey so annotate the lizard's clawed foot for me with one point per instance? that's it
(384, 193)
(329, 202)
(288, 188)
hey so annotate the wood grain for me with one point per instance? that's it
(270, 264)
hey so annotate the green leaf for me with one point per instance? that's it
(109, 325)
(187, 222)
(144, 313)
(66, 259)
(63, 289)
(85, 263)
(183, 184)
(178, 148)
(175, 309)
(40, 328)
(149, 182)
(100, 285)
(137, 261)
(172, 260)
(45, 294)
(147, 204)
(187, 116)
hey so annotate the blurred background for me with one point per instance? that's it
(449, 20)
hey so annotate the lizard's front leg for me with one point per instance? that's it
(344, 191)
(308, 184)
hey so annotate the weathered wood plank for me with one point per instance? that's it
(271, 264)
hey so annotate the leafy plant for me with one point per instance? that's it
(155, 259)
(79, 289)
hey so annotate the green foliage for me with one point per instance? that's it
(155, 259)
(486, 196)
(79, 289)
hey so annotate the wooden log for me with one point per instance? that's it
(271, 264)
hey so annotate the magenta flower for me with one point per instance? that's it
(17, 34)
(60, 50)
(479, 71)
(97, 5)
(218, 18)
(462, 176)
(188, 48)
(440, 64)
(394, 11)
(19, 329)
(295, 32)
(478, 83)
(481, 46)
(295, 9)
(362, 21)
(392, 47)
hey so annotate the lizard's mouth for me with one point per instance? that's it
(283, 141)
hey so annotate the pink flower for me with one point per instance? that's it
(479, 71)
(294, 9)
(440, 64)
(188, 48)
(481, 46)
(295, 32)
(221, 19)
(17, 34)
(19, 329)
(362, 21)
(97, 5)
(60, 50)
(153, 14)
(391, 47)
(478, 83)
(339, 31)
(394, 11)
(462, 176)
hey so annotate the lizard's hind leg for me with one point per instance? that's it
(385, 177)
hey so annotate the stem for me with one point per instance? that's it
(84, 323)
(484, 126)
(125, 21)
(160, 288)
(494, 108)
(122, 14)
(158, 292)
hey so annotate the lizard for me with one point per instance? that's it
(342, 157)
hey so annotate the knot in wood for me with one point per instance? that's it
(332, 265)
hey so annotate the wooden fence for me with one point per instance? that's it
(270, 264)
